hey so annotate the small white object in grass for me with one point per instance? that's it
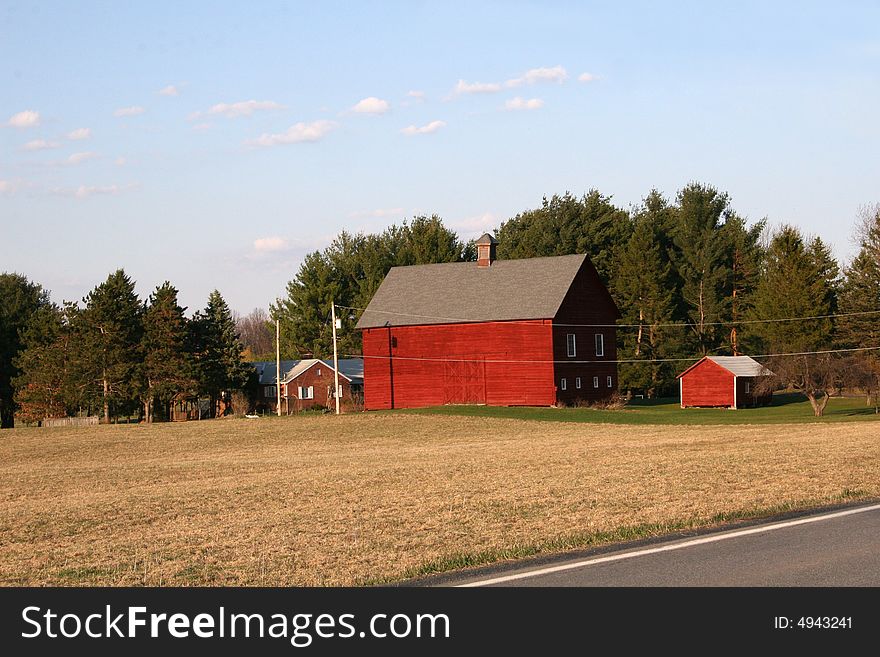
(252, 417)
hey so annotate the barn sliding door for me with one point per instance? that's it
(464, 381)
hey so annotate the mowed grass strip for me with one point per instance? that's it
(375, 497)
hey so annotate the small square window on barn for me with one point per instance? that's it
(610, 382)
(563, 384)
(577, 382)
(595, 381)
(600, 344)
(571, 344)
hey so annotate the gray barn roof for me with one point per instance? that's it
(449, 293)
(741, 365)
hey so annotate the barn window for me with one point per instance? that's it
(595, 381)
(577, 382)
(572, 345)
(747, 387)
(319, 371)
(600, 344)
(563, 384)
(610, 382)
(306, 392)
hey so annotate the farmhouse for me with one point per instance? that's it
(531, 332)
(724, 381)
(308, 383)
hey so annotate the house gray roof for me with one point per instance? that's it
(352, 368)
(741, 365)
(450, 293)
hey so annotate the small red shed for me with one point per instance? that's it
(724, 381)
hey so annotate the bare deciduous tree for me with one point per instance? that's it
(256, 334)
(817, 377)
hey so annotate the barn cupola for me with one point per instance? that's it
(486, 250)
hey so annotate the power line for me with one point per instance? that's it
(644, 325)
(598, 362)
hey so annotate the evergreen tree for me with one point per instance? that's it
(745, 255)
(644, 295)
(108, 341)
(167, 363)
(19, 300)
(217, 350)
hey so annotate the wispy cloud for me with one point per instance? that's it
(40, 145)
(523, 104)
(378, 213)
(202, 126)
(86, 191)
(556, 74)
(120, 161)
(25, 119)
(463, 87)
(134, 110)
(270, 244)
(9, 187)
(427, 129)
(372, 105)
(235, 110)
(170, 90)
(474, 226)
(300, 132)
(433, 126)
(418, 95)
(77, 158)
(587, 77)
(79, 133)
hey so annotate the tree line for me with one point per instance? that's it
(114, 355)
(691, 276)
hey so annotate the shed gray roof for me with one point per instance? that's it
(741, 365)
(454, 292)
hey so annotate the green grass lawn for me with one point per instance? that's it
(786, 408)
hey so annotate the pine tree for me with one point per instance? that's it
(167, 362)
(19, 300)
(644, 296)
(108, 340)
(217, 351)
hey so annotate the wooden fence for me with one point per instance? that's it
(70, 421)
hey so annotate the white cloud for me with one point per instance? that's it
(79, 133)
(241, 108)
(76, 158)
(25, 119)
(463, 87)
(587, 77)
(120, 161)
(475, 226)
(170, 90)
(523, 104)
(269, 244)
(40, 145)
(297, 133)
(372, 105)
(9, 187)
(544, 74)
(433, 126)
(129, 111)
(202, 126)
(85, 191)
(418, 95)
(378, 213)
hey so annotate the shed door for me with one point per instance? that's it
(464, 381)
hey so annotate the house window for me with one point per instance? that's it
(577, 382)
(600, 344)
(747, 387)
(571, 344)
(610, 382)
(269, 391)
(306, 392)
(595, 381)
(563, 384)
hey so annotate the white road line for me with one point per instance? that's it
(668, 548)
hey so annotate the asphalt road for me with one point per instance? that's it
(838, 548)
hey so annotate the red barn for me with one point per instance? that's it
(531, 332)
(723, 381)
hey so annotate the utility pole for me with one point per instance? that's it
(278, 364)
(335, 355)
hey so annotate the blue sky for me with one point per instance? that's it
(214, 144)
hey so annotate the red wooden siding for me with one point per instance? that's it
(707, 384)
(587, 302)
(458, 367)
